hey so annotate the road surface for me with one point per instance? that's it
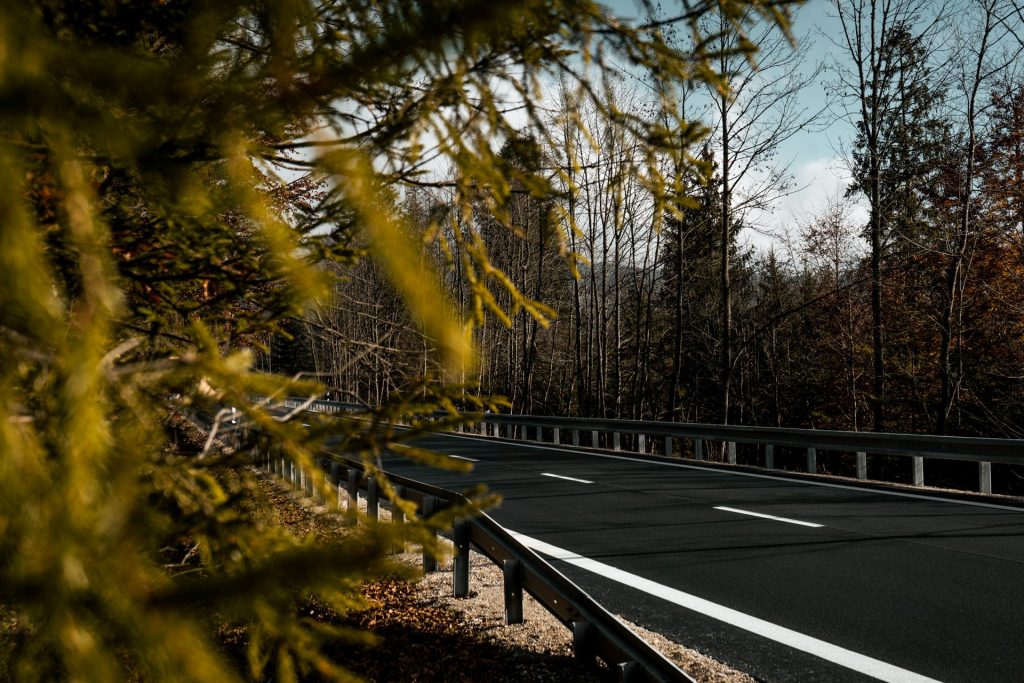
(786, 580)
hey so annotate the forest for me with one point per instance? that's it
(895, 306)
(547, 206)
(190, 182)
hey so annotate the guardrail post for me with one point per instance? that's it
(583, 642)
(616, 445)
(429, 561)
(307, 483)
(513, 575)
(556, 437)
(862, 465)
(698, 449)
(641, 443)
(812, 460)
(398, 517)
(525, 433)
(769, 456)
(918, 470)
(594, 443)
(985, 477)
(668, 446)
(321, 465)
(731, 452)
(575, 437)
(352, 509)
(460, 574)
(372, 497)
(338, 474)
(629, 672)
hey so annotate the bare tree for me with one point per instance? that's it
(985, 40)
(761, 110)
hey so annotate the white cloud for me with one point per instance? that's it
(816, 183)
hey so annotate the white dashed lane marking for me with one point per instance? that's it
(559, 476)
(787, 520)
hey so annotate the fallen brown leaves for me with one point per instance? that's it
(421, 640)
(418, 637)
(424, 635)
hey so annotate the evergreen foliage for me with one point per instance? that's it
(177, 174)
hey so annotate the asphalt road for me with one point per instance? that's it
(834, 583)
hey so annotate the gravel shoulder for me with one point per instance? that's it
(426, 634)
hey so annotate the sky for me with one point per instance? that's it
(814, 156)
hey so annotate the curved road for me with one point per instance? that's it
(786, 580)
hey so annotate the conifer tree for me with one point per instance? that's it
(177, 174)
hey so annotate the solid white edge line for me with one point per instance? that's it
(562, 476)
(859, 489)
(462, 457)
(864, 664)
(772, 517)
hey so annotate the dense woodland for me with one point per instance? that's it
(195, 189)
(910, 320)
(213, 204)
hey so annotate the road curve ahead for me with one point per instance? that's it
(786, 580)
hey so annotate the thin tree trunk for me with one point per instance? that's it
(725, 369)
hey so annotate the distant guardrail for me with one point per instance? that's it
(596, 632)
(690, 440)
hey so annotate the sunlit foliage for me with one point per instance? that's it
(176, 172)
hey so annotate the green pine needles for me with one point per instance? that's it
(177, 176)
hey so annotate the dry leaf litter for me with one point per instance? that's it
(427, 635)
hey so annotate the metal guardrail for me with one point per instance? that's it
(322, 406)
(984, 451)
(606, 434)
(596, 632)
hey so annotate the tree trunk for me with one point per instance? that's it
(725, 369)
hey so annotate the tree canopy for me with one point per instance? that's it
(179, 174)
